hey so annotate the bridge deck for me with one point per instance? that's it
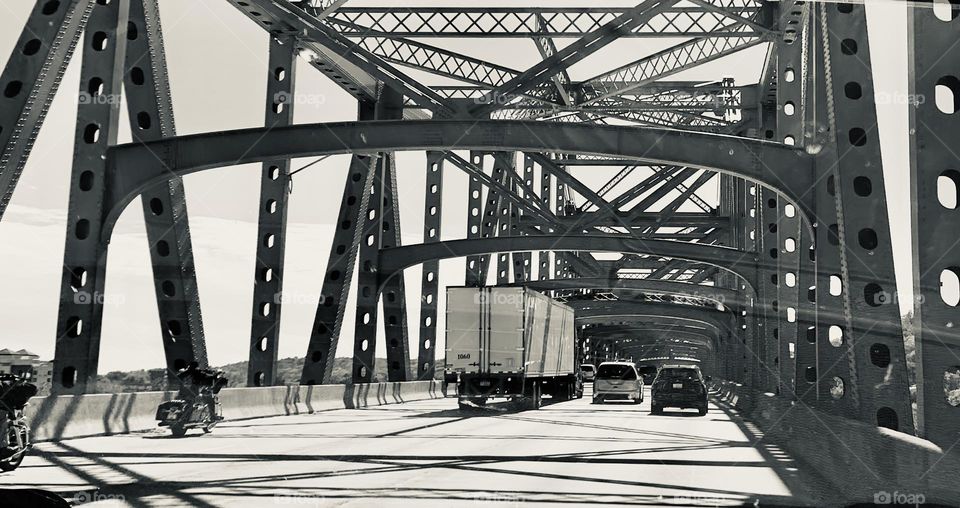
(566, 453)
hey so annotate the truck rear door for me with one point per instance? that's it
(504, 352)
(463, 329)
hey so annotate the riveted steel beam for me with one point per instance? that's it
(706, 18)
(150, 109)
(430, 277)
(475, 217)
(30, 80)
(341, 263)
(878, 379)
(84, 261)
(544, 71)
(274, 192)
(934, 163)
(796, 353)
(380, 223)
(394, 261)
(782, 168)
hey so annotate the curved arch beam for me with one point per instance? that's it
(645, 336)
(609, 312)
(713, 293)
(132, 168)
(396, 259)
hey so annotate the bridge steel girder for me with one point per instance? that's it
(602, 329)
(31, 79)
(341, 263)
(769, 311)
(430, 276)
(541, 73)
(80, 312)
(934, 57)
(524, 22)
(475, 216)
(718, 294)
(274, 193)
(381, 232)
(133, 168)
(394, 261)
(878, 381)
(795, 351)
(150, 109)
(590, 310)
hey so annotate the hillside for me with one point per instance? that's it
(288, 372)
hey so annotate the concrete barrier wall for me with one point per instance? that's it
(68, 416)
(858, 460)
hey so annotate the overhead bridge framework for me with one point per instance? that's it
(743, 225)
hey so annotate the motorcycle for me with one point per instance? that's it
(181, 415)
(14, 430)
(197, 405)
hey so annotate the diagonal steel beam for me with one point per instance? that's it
(701, 18)
(30, 80)
(560, 61)
(664, 63)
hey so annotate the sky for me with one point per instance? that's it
(217, 60)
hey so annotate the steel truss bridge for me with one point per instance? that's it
(783, 283)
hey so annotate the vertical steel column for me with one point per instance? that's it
(793, 239)
(935, 187)
(544, 264)
(770, 308)
(753, 318)
(394, 291)
(30, 81)
(831, 334)
(430, 279)
(491, 222)
(380, 229)
(521, 260)
(561, 267)
(328, 322)
(474, 220)
(84, 262)
(868, 278)
(272, 225)
(150, 109)
(505, 167)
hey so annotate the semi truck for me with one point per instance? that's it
(509, 343)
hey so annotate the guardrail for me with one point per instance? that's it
(863, 463)
(68, 416)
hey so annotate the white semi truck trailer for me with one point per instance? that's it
(509, 343)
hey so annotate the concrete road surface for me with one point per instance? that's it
(428, 453)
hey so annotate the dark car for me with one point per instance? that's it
(680, 386)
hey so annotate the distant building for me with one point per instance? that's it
(23, 362)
